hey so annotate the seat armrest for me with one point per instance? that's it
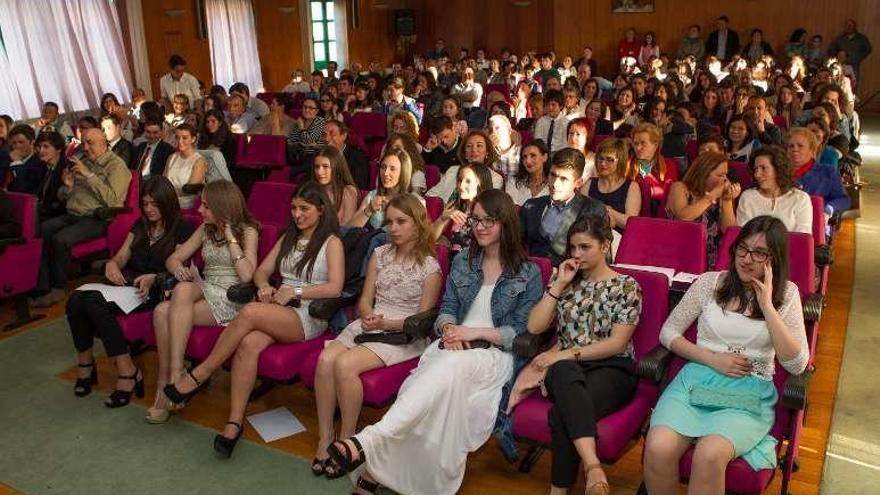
(325, 308)
(824, 256)
(192, 188)
(794, 395)
(813, 305)
(109, 213)
(12, 241)
(653, 366)
(528, 345)
(242, 293)
(166, 282)
(420, 325)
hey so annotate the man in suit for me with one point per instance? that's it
(151, 155)
(121, 147)
(24, 167)
(336, 135)
(723, 42)
(49, 149)
(545, 221)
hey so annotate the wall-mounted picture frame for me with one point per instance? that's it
(632, 6)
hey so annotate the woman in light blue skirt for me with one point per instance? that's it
(723, 400)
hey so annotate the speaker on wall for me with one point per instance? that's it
(404, 22)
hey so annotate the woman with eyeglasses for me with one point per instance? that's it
(448, 405)
(329, 108)
(621, 195)
(307, 137)
(748, 319)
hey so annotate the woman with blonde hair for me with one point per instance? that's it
(403, 122)
(228, 239)
(331, 172)
(403, 278)
(647, 164)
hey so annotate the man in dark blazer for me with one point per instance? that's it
(24, 167)
(150, 156)
(121, 147)
(336, 135)
(545, 221)
(723, 42)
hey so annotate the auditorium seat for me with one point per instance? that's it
(20, 260)
(123, 219)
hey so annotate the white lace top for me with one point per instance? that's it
(725, 331)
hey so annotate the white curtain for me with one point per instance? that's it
(67, 52)
(134, 12)
(232, 35)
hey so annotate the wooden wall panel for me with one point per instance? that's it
(279, 41)
(169, 34)
(374, 38)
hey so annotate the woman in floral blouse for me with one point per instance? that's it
(590, 372)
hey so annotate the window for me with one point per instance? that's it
(323, 32)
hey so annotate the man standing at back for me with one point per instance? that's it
(723, 42)
(856, 45)
(177, 81)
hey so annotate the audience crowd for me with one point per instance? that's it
(486, 163)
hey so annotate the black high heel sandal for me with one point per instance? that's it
(178, 397)
(345, 460)
(370, 487)
(121, 398)
(83, 386)
(223, 445)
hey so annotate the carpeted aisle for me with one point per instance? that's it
(53, 442)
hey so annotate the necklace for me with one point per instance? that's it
(155, 235)
(300, 245)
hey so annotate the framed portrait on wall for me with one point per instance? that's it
(632, 6)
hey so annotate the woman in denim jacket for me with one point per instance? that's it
(448, 406)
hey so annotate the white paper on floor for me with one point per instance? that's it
(276, 423)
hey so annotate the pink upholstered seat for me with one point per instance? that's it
(743, 172)
(617, 431)
(432, 175)
(260, 151)
(801, 267)
(117, 230)
(20, 261)
(667, 243)
(369, 125)
(269, 202)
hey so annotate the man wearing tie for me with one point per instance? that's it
(151, 155)
(552, 126)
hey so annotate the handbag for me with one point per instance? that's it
(721, 398)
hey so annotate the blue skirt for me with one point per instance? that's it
(747, 429)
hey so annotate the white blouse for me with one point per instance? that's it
(794, 208)
(728, 332)
(521, 193)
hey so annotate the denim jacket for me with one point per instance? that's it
(512, 299)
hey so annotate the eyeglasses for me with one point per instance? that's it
(485, 222)
(758, 255)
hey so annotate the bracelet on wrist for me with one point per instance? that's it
(551, 294)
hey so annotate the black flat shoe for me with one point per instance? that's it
(224, 446)
(83, 386)
(179, 397)
(121, 398)
(345, 459)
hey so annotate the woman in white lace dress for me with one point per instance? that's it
(724, 398)
(310, 259)
(403, 278)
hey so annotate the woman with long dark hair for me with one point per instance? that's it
(215, 135)
(530, 180)
(142, 256)
(311, 262)
(228, 239)
(473, 179)
(748, 319)
(448, 405)
(331, 171)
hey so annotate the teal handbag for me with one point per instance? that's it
(721, 398)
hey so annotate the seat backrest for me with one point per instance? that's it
(25, 208)
(780, 122)
(271, 150)
(527, 137)
(266, 97)
(819, 223)
(374, 171)
(369, 124)
(269, 202)
(357, 141)
(119, 228)
(240, 145)
(665, 243)
(269, 235)
(692, 149)
(801, 260)
(743, 172)
(596, 141)
(655, 308)
(432, 175)
(434, 206)
(546, 267)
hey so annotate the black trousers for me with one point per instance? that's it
(60, 234)
(583, 393)
(90, 315)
